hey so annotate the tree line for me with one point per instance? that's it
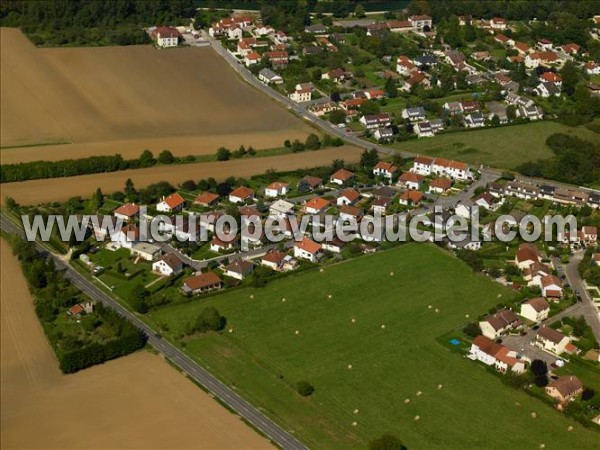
(36, 170)
(91, 22)
(54, 295)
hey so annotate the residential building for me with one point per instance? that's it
(383, 134)
(281, 208)
(126, 237)
(527, 254)
(493, 354)
(372, 121)
(251, 58)
(440, 185)
(537, 59)
(202, 283)
(145, 250)
(277, 189)
(411, 180)
(410, 198)
(308, 249)
(385, 170)
(207, 199)
(166, 37)
(168, 265)
(551, 340)
(223, 245)
(535, 309)
(474, 120)
(348, 197)
(127, 212)
(414, 114)
(171, 203)
(241, 194)
(267, 76)
(316, 205)
(551, 287)
(502, 322)
(498, 23)
(302, 93)
(565, 389)
(342, 177)
(238, 269)
(380, 205)
(420, 22)
(404, 66)
(273, 259)
(309, 183)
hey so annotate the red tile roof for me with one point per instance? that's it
(317, 203)
(441, 183)
(203, 280)
(350, 194)
(206, 198)
(242, 192)
(128, 210)
(411, 177)
(174, 200)
(308, 245)
(343, 175)
(387, 166)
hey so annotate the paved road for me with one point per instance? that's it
(191, 368)
(588, 309)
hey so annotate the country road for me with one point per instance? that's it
(196, 372)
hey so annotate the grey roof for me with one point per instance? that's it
(426, 60)
(317, 28)
(416, 111)
(268, 73)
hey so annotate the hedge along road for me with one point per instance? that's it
(58, 189)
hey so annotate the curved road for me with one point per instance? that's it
(277, 434)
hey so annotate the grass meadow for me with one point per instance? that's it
(365, 371)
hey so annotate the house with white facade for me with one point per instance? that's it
(308, 249)
(535, 309)
(171, 203)
(385, 169)
(168, 265)
(277, 189)
(497, 324)
(551, 340)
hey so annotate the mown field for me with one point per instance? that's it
(503, 147)
(107, 100)
(363, 371)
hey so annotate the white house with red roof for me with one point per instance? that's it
(341, 177)
(241, 194)
(277, 189)
(308, 249)
(404, 66)
(422, 165)
(166, 37)
(167, 265)
(537, 59)
(420, 21)
(411, 180)
(126, 237)
(171, 203)
(453, 169)
(385, 170)
(316, 205)
(551, 340)
(348, 197)
(551, 287)
(493, 354)
(498, 23)
(592, 68)
(128, 211)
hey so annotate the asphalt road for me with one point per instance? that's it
(273, 431)
(588, 309)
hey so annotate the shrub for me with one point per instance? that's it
(386, 442)
(304, 388)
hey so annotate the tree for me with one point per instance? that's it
(147, 159)
(511, 112)
(137, 298)
(166, 157)
(570, 76)
(359, 11)
(316, 74)
(189, 185)
(472, 329)
(129, 190)
(368, 160)
(390, 88)
(210, 320)
(297, 146)
(304, 388)
(223, 154)
(337, 116)
(540, 372)
(386, 442)
(287, 143)
(587, 394)
(313, 142)
(369, 107)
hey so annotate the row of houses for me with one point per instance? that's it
(546, 191)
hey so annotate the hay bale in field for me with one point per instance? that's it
(417, 418)
(439, 386)
(349, 366)
(533, 415)
(407, 401)
(354, 424)
(419, 393)
(355, 411)
(383, 326)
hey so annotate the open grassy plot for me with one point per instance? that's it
(364, 370)
(504, 147)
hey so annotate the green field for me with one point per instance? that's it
(503, 147)
(263, 357)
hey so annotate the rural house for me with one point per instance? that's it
(493, 354)
(168, 265)
(551, 340)
(348, 197)
(411, 180)
(171, 203)
(276, 189)
(238, 269)
(308, 249)
(535, 309)
(342, 177)
(166, 37)
(440, 185)
(316, 205)
(206, 199)
(565, 388)
(497, 324)
(127, 211)
(385, 170)
(201, 283)
(241, 194)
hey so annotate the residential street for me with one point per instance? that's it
(588, 309)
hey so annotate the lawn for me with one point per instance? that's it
(263, 357)
(503, 147)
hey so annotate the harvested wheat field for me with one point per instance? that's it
(138, 401)
(106, 100)
(57, 189)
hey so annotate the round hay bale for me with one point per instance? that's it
(330, 296)
(542, 445)
(419, 393)
(429, 306)
(349, 366)
(231, 330)
(353, 320)
(417, 418)
(297, 332)
(570, 428)
(354, 424)
(252, 296)
(391, 274)
(439, 386)
(467, 316)
(407, 401)
(437, 310)
(499, 295)
(383, 326)
(321, 270)
(533, 415)
(355, 411)
(283, 300)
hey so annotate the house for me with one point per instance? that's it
(316, 205)
(251, 58)
(372, 121)
(166, 37)
(238, 269)
(380, 205)
(497, 109)
(334, 245)
(498, 23)
(546, 90)
(551, 340)
(466, 243)
(209, 219)
(171, 203)
(493, 354)
(522, 189)
(592, 68)
(223, 245)
(504, 40)
(410, 198)
(532, 112)
(201, 283)
(423, 129)
(385, 170)
(145, 250)
(399, 26)
(281, 208)
(126, 237)
(422, 165)
(308, 249)
(414, 114)
(476, 79)
(485, 200)
(206, 199)
(590, 234)
(453, 108)
(235, 33)
(439, 185)
(273, 259)
(383, 134)
(341, 177)
(544, 44)
(411, 180)
(277, 189)
(316, 29)
(551, 77)
(267, 76)
(469, 106)
(350, 213)
(463, 209)
(419, 22)
(348, 197)
(596, 259)
(565, 389)
(404, 66)
(537, 59)
(278, 58)
(474, 120)
(336, 75)
(465, 20)
(425, 61)
(497, 324)
(309, 183)
(241, 194)
(527, 254)
(416, 79)
(522, 48)
(302, 93)
(126, 212)
(168, 265)
(455, 59)
(453, 169)
(551, 287)
(535, 309)
(570, 49)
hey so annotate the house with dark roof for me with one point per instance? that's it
(535, 309)
(168, 265)
(551, 340)
(202, 283)
(497, 324)
(565, 388)
(238, 269)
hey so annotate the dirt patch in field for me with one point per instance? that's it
(138, 401)
(126, 99)
(56, 189)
